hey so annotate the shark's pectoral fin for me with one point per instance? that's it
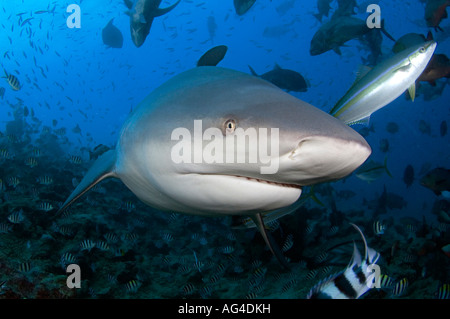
(102, 168)
(274, 248)
(161, 11)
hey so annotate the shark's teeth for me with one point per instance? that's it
(270, 182)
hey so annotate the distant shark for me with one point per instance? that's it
(142, 13)
(314, 147)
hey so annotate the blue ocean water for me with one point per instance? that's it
(76, 93)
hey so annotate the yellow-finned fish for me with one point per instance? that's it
(12, 81)
(383, 84)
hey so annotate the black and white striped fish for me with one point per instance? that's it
(12, 81)
(378, 228)
(16, 217)
(351, 283)
(132, 286)
(400, 287)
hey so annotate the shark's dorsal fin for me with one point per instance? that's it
(161, 11)
(258, 220)
(102, 168)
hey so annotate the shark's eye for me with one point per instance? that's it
(230, 126)
(422, 50)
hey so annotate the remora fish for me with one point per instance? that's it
(383, 84)
(141, 17)
(313, 147)
(354, 281)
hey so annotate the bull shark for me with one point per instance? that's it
(313, 147)
(142, 13)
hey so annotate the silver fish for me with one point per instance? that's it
(383, 84)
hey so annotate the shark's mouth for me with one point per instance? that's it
(262, 181)
(269, 182)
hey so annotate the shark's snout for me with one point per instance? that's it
(317, 159)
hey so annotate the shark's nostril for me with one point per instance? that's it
(295, 152)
